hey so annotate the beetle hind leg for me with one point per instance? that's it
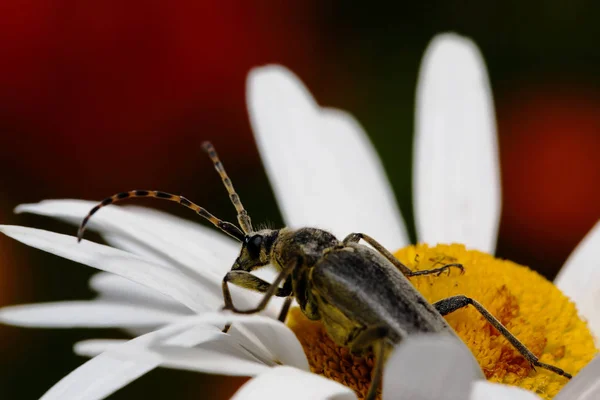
(454, 303)
(379, 349)
(374, 337)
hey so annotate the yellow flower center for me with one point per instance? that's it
(530, 306)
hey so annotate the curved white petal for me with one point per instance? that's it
(165, 280)
(324, 170)
(85, 314)
(204, 358)
(253, 339)
(110, 371)
(585, 385)
(430, 367)
(116, 289)
(149, 232)
(580, 279)
(273, 338)
(122, 363)
(456, 177)
(484, 390)
(246, 343)
(292, 384)
(191, 337)
(134, 246)
(256, 340)
(215, 358)
(98, 378)
(93, 347)
(208, 247)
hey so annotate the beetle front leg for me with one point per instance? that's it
(355, 237)
(285, 308)
(246, 279)
(454, 303)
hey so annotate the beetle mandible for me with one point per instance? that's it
(361, 294)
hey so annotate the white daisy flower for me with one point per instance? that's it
(167, 272)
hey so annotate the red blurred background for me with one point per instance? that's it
(100, 97)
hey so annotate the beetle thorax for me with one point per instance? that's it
(306, 245)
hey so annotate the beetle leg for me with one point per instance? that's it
(379, 349)
(438, 271)
(286, 307)
(247, 280)
(366, 338)
(355, 237)
(454, 303)
(373, 336)
(282, 314)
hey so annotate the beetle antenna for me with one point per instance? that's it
(243, 217)
(224, 226)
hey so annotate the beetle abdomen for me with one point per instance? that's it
(370, 290)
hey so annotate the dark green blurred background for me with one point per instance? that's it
(101, 97)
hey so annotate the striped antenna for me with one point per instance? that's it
(224, 226)
(243, 217)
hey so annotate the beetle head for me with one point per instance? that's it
(256, 250)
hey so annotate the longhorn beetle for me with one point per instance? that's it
(361, 294)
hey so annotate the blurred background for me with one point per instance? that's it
(100, 97)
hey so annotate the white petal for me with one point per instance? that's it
(208, 248)
(134, 246)
(146, 231)
(274, 338)
(585, 385)
(214, 357)
(125, 362)
(190, 337)
(116, 289)
(430, 367)
(108, 372)
(323, 169)
(98, 378)
(167, 281)
(196, 294)
(456, 177)
(85, 314)
(259, 339)
(292, 384)
(580, 279)
(484, 390)
(205, 358)
(93, 347)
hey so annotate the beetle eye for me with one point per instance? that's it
(253, 245)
